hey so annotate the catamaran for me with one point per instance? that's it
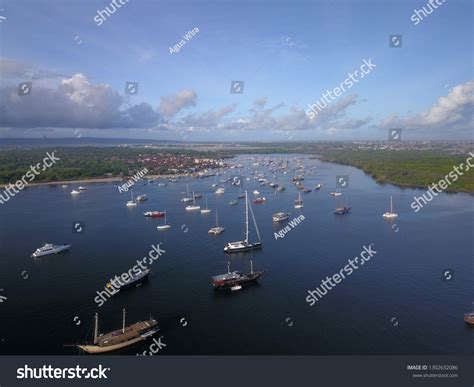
(245, 245)
(164, 226)
(120, 338)
(49, 248)
(205, 210)
(193, 207)
(390, 214)
(299, 201)
(216, 230)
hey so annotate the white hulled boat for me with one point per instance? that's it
(245, 245)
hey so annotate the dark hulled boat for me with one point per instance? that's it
(235, 280)
(342, 210)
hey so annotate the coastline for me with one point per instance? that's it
(92, 180)
(401, 185)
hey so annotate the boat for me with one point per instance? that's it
(64, 186)
(162, 184)
(154, 214)
(235, 280)
(214, 185)
(233, 202)
(198, 196)
(141, 198)
(306, 190)
(219, 191)
(245, 245)
(121, 338)
(216, 230)
(205, 210)
(133, 279)
(280, 216)
(299, 201)
(336, 192)
(164, 226)
(281, 188)
(390, 214)
(48, 249)
(318, 187)
(131, 203)
(81, 188)
(193, 207)
(342, 210)
(259, 200)
(74, 192)
(241, 196)
(469, 318)
(256, 192)
(187, 198)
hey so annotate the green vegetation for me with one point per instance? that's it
(406, 167)
(90, 162)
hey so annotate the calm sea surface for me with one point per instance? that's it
(398, 303)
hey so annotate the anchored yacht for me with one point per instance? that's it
(49, 248)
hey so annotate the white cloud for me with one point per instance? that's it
(174, 103)
(453, 112)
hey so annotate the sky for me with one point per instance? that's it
(284, 55)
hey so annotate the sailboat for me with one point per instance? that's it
(299, 201)
(390, 214)
(187, 198)
(235, 280)
(164, 226)
(345, 209)
(120, 338)
(245, 245)
(205, 210)
(131, 203)
(216, 230)
(336, 193)
(193, 207)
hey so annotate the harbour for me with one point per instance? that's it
(405, 282)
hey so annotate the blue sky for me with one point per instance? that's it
(288, 53)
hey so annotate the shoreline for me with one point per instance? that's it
(92, 180)
(400, 185)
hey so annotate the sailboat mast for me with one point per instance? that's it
(96, 328)
(246, 218)
(123, 325)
